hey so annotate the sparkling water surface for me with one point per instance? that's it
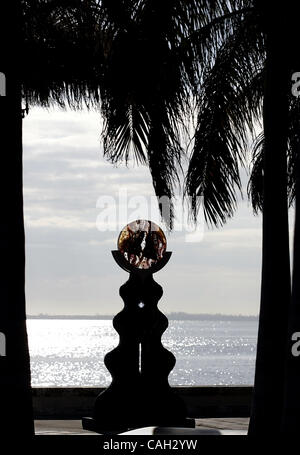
(69, 353)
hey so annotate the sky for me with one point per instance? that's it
(69, 266)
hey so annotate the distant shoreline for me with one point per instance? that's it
(170, 316)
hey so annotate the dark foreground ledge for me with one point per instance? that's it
(203, 401)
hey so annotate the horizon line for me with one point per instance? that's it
(177, 314)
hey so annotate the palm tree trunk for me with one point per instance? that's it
(291, 411)
(15, 390)
(267, 402)
(291, 414)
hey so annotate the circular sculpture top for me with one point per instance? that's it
(142, 243)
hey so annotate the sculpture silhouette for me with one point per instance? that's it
(139, 394)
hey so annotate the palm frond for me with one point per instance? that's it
(142, 62)
(61, 53)
(213, 171)
(164, 160)
(229, 104)
(255, 184)
(125, 130)
(145, 106)
(293, 147)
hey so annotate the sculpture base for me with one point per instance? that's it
(90, 424)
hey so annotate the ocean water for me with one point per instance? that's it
(69, 353)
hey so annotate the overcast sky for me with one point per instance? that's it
(70, 269)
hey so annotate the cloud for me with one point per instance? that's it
(69, 265)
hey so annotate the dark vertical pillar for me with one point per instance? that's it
(15, 392)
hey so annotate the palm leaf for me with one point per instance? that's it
(229, 104)
(255, 185)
